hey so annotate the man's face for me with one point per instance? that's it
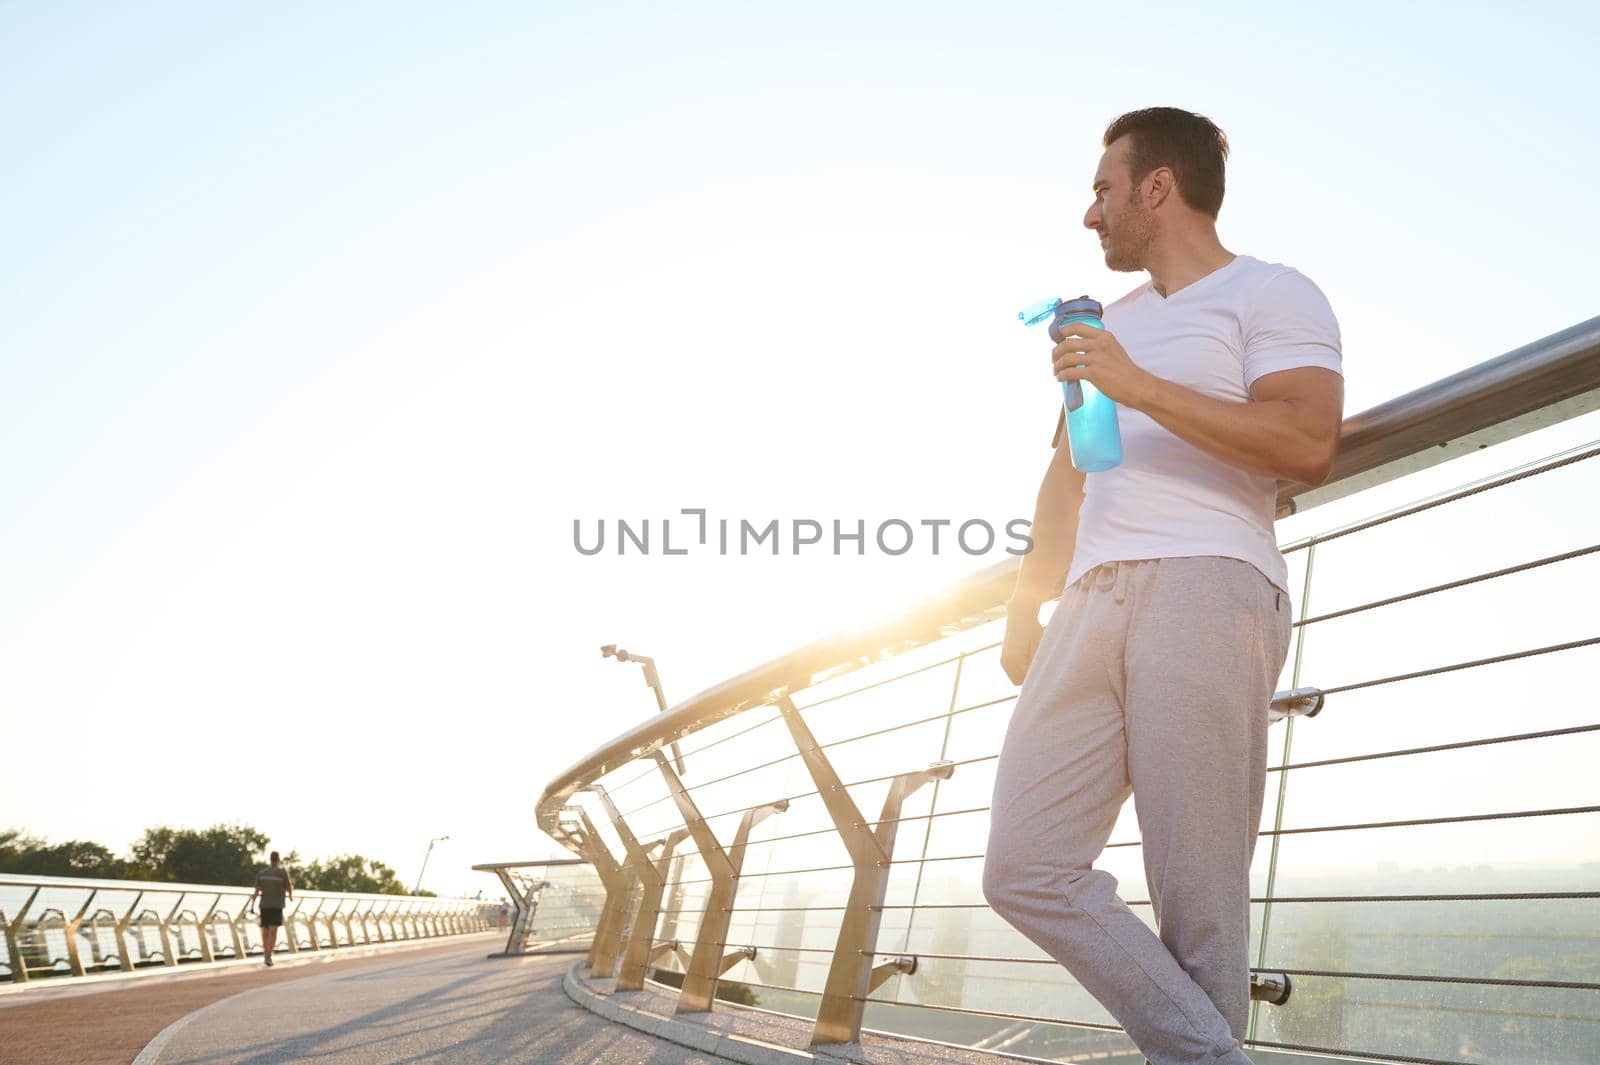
(1126, 228)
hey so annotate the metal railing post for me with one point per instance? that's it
(649, 872)
(526, 903)
(122, 934)
(412, 922)
(288, 937)
(674, 907)
(851, 973)
(14, 927)
(641, 943)
(618, 882)
(311, 925)
(203, 930)
(234, 920)
(706, 962)
(1308, 701)
(399, 925)
(164, 929)
(74, 956)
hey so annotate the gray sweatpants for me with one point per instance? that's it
(1153, 676)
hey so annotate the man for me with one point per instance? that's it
(1156, 671)
(273, 887)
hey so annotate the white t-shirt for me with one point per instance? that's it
(1167, 498)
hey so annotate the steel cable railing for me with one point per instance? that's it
(1331, 917)
(1404, 597)
(51, 923)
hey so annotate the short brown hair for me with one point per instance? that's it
(274, 857)
(1190, 145)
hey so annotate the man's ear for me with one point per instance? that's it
(1157, 186)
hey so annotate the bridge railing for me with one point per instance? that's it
(1427, 888)
(557, 904)
(69, 926)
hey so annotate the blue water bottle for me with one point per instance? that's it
(1094, 440)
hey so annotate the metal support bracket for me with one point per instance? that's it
(706, 963)
(669, 946)
(905, 965)
(850, 973)
(14, 927)
(734, 957)
(74, 956)
(1272, 988)
(637, 957)
(169, 956)
(122, 933)
(202, 928)
(618, 880)
(1300, 702)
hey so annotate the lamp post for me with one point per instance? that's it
(431, 842)
(653, 679)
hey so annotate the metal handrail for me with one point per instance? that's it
(169, 909)
(165, 887)
(1539, 384)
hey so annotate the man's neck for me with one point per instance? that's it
(1178, 260)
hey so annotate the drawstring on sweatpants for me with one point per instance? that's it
(1114, 575)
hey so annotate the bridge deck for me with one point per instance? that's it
(443, 1002)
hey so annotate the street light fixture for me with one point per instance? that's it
(653, 679)
(431, 842)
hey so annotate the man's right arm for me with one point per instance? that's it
(1054, 533)
(1055, 538)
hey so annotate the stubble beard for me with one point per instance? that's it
(1126, 248)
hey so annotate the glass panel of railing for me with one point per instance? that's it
(982, 679)
(1549, 853)
(1527, 611)
(1504, 699)
(887, 699)
(1535, 938)
(1488, 781)
(1397, 1019)
(1004, 990)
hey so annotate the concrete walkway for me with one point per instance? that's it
(448, 1006)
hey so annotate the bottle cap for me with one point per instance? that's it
(1081, 305)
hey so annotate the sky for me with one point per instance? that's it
(320, 326)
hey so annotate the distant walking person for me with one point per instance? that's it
(1155, 673)
(273, 886)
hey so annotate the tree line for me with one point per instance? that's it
(228, 854)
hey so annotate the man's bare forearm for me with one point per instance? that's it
(1275, 437)
(1054, 533)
